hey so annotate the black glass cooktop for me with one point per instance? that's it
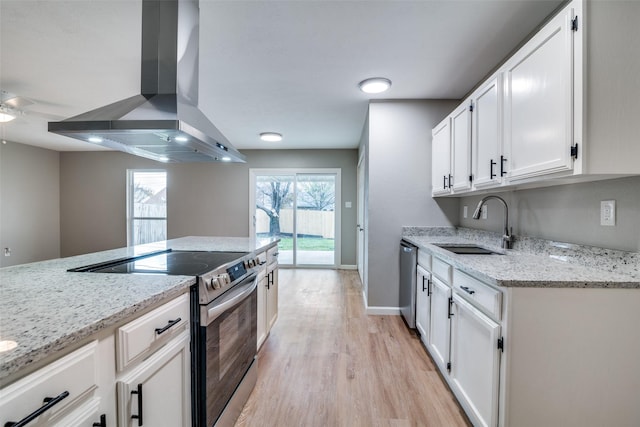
(169, 262)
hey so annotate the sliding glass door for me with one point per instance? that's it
(299, 207)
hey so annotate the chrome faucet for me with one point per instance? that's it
(507, 237)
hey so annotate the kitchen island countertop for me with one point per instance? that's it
(45, 309)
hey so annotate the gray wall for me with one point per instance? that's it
(29, 203)
(568, 213)
(203, 198)
(398, 152)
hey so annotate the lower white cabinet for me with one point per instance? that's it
(423, 303)
(157, 391)
(439, 331)
(272, 294)
(61, 390)
(261, 330)
(475, 362)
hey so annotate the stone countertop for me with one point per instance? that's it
(44, 308)
(522, 269)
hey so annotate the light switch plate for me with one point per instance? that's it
(465, 211)
(347, 205)
(484, 211)
(608, 212)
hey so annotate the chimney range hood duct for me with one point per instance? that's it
(163, 122)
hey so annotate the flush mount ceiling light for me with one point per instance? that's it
(95, 139)
(271, 136)
(374, 85)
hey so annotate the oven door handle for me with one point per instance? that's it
(232, 298)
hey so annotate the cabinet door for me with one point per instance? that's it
(440, 322)
(538, 102)
(475, 362)
(423, 303)
(261, 330)
(461, 148)
(441, 158)
(487, 135)
(158, 390)
(272, 297)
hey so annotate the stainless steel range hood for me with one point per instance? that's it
(163, 122)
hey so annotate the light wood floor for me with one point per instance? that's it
(326, 363)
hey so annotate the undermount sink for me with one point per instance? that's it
(468, 250)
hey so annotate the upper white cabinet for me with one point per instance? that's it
(562, 109)
(538, 99)
(486, 136)
(441, 158)
(461, 148)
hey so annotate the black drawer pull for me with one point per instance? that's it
(491, 165)
(48, 403)
(468, 290)
(502, 171)
(139, 393)
(103, 421)
(170, 324)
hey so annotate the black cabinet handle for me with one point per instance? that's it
(450, 179)
(502, 171)
(491, 165)
(48, 403)
(449, 312)
(428, 287)
(444, 182)
(103, 421)
(170, 324)
(468, 290)
(139, 416)
(423, 288)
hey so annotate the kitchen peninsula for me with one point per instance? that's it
(60, 325)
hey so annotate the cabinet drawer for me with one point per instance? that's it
(139, 338)
(479, 294)
(424, 260)
(75, 374)
(441, 269)
(272, 255)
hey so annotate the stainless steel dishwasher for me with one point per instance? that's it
(408, 261)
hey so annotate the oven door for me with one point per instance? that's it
(227, 336)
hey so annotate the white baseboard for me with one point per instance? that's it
(383, 311)
(379, 311)
(348, 267)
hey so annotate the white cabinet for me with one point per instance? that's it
(272, 294)
(441, 158)
(157, 391)
(261, 330)
(154, 362)
(486, 136)
(267, 293)
(461, 148)
(440, 322)
(475, 362)
(423, 303)
(66, 389)
(538, 83)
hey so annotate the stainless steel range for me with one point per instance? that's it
(223, 324)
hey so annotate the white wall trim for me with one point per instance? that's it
(379, 311)
(383, 311)
(347, 267)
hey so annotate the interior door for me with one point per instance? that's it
(360, 226)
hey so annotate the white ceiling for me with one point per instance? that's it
(284, 66)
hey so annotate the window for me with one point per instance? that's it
(146, 206)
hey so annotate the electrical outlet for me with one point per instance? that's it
(7, 251)
(465, 211)
(347, 205)
(608, 212)
(484, 211)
